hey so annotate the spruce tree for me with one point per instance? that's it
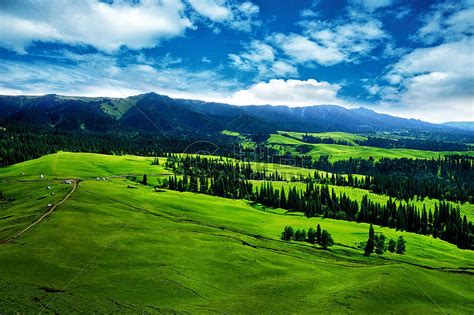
(369, 247)
(144, 180)
(326, 240)
(288, 233)
(392, 245)
(311, 236)
(380, 244)
(318, 234)
(401, 245)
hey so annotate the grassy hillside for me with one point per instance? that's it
(337, 136)
(111, 248)
(342, 152)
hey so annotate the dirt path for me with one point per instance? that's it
(64, 199)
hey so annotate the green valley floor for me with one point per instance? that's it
(117, 246)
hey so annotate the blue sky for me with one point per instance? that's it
(409, 58)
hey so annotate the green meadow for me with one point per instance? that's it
(334, 135)
(338, 152)
(118, 246)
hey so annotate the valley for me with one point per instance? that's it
(189, 252)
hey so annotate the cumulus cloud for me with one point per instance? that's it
(331, 42)
(106, 26)
(287, 92)
(303, 50)
(233, 14)
(102, 75)
(215, 10)
(435, 83)
(450, 21)
(260, 57)
(372, 5)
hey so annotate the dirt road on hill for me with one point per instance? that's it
(64, 199)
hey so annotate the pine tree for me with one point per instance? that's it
(298, 235)
(144, 180)
(392, 245)
(380, 244)
(318, 234)
(288, 233)
(311, 236)
(401, 245)
(326, 240)
(369, 247)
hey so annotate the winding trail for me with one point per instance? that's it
(64, 199)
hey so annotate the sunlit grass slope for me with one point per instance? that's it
(336, 135)
(111, 248)
(342, 152)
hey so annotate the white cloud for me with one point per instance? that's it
(283, 69)
(215, 10)
(287, 92)
(234, 14)
(303, 50)
(372, 5)
(331, 42)
(102, 25)
(101, 75)
(260, 57)
(448, 21)
(435, 83)
(109, 26)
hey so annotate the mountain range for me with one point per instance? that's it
(152, 112)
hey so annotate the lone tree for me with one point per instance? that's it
(379, 244)
(288, 233)
(392, 245)
(369, 247)
(298, 235)
(401, 245)
(318, 234)
(144, 180)
(326, 240)
(311, 236)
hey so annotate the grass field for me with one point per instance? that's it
(110, 248)
(342, 152)
(338, 136)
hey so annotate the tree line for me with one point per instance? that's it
(317, 237)
(446, 178)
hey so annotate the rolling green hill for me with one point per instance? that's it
(335, 135)
(342, 152)
(117, 246)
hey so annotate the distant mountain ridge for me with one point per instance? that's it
(464, 125)
(152, 112)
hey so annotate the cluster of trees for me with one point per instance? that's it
(376, 242)
(408, 143)
(445, 222)
(227, 185)
(199, 166)
(319, 237)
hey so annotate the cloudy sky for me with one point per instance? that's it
(409, 58)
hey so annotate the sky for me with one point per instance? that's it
(408, 58)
